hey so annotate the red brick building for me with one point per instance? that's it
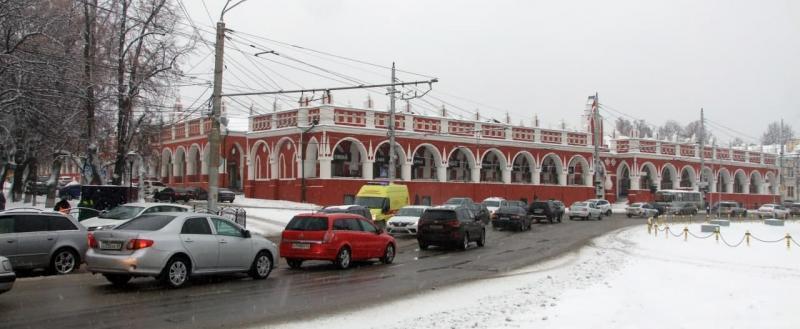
(442, 157)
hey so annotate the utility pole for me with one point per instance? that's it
(598, 179)
(392, 157)
(216, 101)
(780, 164)
(701, 185)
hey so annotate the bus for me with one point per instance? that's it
(679, 201)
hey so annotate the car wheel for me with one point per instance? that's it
(464, 243)
(629, 215)
(600, 217)
(560, 217)
(482, 241)
(422, 245)
(608, 213)
(571, 218)
(176, 273)
(64, 261)
(262, 266)
(294, 263)
(388, 254)
(118, 279)
(343, 258)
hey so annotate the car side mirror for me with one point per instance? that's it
(246, 234)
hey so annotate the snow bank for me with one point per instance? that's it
(626, 279)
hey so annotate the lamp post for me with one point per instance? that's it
(130, 179)
(303, 160)
(132, 156)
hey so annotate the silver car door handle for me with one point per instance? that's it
(10, 241)
(223, 241)
(188, 240)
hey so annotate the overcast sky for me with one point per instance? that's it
(655, 60)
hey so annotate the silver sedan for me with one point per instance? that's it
(7, 276)
(175, 246)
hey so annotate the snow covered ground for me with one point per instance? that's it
(626, 279)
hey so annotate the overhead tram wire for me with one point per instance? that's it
(235, 65)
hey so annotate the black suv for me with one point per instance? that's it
(511, 217)
(450, 225)
(544, 210)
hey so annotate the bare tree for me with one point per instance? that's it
(642, 129)
(624, 126)
(776, 135)
(669, 129)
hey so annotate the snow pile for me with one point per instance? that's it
(626, 279)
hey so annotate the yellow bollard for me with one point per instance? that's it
(685, 233)
(655, 233)
(716, 234)
(747, 237)
(788, 240)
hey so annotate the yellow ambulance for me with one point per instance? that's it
(382, 199)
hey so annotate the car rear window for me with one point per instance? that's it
(509, 210)
(539, 205)
(437, 214)
(146, 223)
(307, 224)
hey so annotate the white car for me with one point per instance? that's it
(494, 203)
(7, 275)
(773, 211)
(153, 186)
(603, 205)
(641, 209)
(125, 212)
(585, 210)
(406, 220)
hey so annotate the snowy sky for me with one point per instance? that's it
(655, 60)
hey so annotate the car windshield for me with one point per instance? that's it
(491, 203)
(437, 214)
(307, 224)
(146, 223)
(122, 212)
(372, 202)
(411, 212)
(456, 201)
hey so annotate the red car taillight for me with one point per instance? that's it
(494, 216)
(454, 223)
(139, 244)
(92, 241)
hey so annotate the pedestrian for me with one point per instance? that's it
(62, 206)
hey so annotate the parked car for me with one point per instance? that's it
(603, 205)
(511, 217)
(40, 185)
(481, 212)
(494, 203)
(794, 209)
(683, 209)
(641, 209)
(70, 191)
(7, 275)
(518, 203)
(773, 211)
(153, 186)
(459, 201)
(224, 194)
(36, 239)
(172, 194)
(64, 180)
(118, 215)
(197, 193)
(585, 210)
(406, 220)
(728, 208)
(348, 209)
(450, 225)
(176, 246)
(340, 238)
(560, 209)
(544, 210)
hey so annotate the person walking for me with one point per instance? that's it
(62, 206)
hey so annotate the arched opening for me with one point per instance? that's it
(647, 176)
(284, 154)
(459, 165)
(756, 183)
(166, 166)
(348, 159)
(723, 181)
(380, 168)
(623, 180)
(193, 168)
(180, 164)
(687, 177)
(668, 174)
(739, 182)
(425, 163)
(551, 170)
(521, 169)
(234, 166)
(578, 171)
(261, 168)
(492, 166)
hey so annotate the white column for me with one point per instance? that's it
(562, 178)
(536, 175)
(273, 168)
(406, 171)
(588, 179)
(441, 171)
(713, 187)
(506, 175)
(325, 168)
(746, 188)
(366, 169)
(635, 180)
(476, 174)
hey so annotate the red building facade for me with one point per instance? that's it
(284, 153)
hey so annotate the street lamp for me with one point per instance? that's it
(303, 160)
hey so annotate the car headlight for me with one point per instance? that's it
(7, 266)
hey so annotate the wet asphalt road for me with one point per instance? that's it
(84, 300)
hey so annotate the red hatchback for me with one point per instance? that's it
(341, 238)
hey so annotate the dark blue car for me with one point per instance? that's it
(70, 192)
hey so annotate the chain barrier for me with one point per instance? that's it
(653, 227)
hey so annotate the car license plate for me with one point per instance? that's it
(301, 245)
(503, 218)
(436, 227)
(110, 245)
(538, 211)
